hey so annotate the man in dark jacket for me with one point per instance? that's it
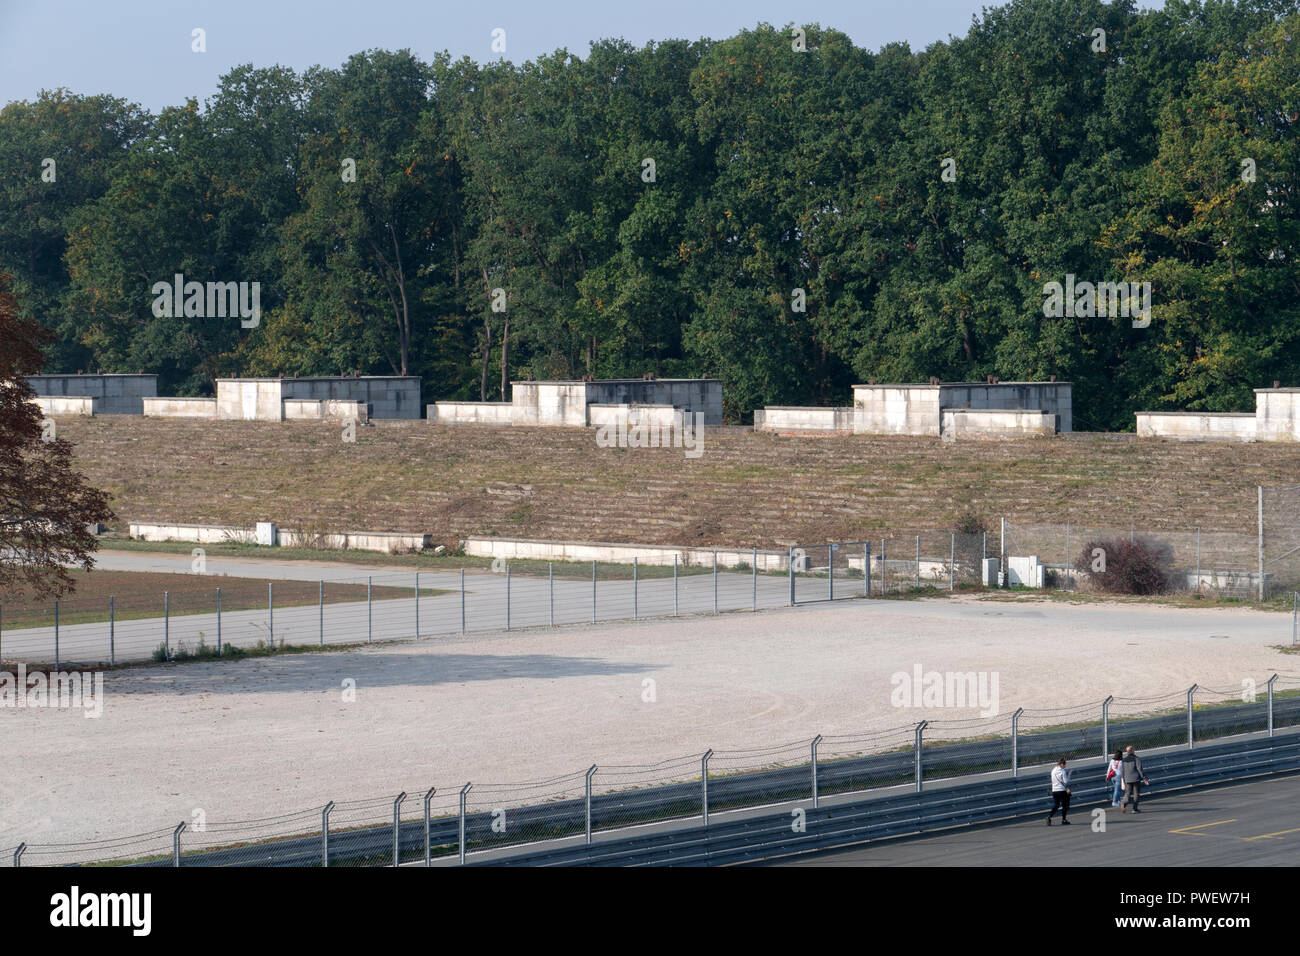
(1134, 781)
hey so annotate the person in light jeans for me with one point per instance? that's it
(1114, 775)
(1134, 780)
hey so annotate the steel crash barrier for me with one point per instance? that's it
(825, 828)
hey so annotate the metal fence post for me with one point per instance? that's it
(952, 563)
(176, 844)
(917, 583)
(507, 597)
(167, 629)
(1105, 726)
(18, 855)
(1191, 691)
(1002, 556)
(1198, 560)
(674, 585)
(917, 752)
(369, 610)
(866, 565)
(1261, 542)
(1065, 574)
(270, 612)
(1015, 742)
(428, 847)
(321, 604)
(218, 622)
(463, 790)
(417, 605)
(593, 592)
(462, 600)
(704, 779)
(397, 828)
(830, 564)
(1270, 704)
(715, 582)
(634, 588)
(325, 833)
(550, 589)
(755, 604)
(112, 628)
(789, 573)
(816, 740)
(590, 772)
(1295, 610)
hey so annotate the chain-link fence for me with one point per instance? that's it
(211, 616)
(1279, 537)
(427, 823)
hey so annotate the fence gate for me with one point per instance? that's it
(829, 572)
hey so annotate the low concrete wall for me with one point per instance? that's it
(262, 399)
(325, 409)
(52, 405)
(1197, 426)
(180, 407)
(918, 409)
(200, 534)
(549, 403)
(896, 410)
(386, 542)
(532, 549)
(472, 413)
(791, 419)
(661, 416)
(965, 424)
(117, 394)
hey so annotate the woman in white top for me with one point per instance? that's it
(1114, 776)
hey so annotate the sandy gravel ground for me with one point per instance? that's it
(262, 737)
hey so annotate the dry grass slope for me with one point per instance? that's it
(747, 490)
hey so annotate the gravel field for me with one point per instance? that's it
(266, 736)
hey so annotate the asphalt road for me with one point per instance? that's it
(1251, 824)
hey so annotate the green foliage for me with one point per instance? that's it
(774, 170)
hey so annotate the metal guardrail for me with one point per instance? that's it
(773, 836)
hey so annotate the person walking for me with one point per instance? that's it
(1134, 780)
(1060, 793)
(1115, 777)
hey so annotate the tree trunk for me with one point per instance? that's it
(505, 351)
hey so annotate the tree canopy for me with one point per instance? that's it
(779, 209)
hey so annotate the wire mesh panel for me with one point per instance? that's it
(1281, 538)
(753, 778)
(633, 795)
(154, 847)
(500, 815)
(1047, 735)
(289, 840)
(853, 762)
(954, 748)
(832, 571)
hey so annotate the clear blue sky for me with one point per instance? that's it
(140, 49)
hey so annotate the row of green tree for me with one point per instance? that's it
(781, 210)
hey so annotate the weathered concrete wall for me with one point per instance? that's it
(385, 542)
(61, 405)
(531, 549)
(117, 394)
(917, 409)
(180, 407)
(549, 403)
(200, 534)
(967, 424)
(472, 413)
(250, 399)
(1277, 414)
(661, 416)
(325, 409)
(896, 410)
(792, 419)
(1197, 426)
(389, 396)
(691, 395)
(1054, 397)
